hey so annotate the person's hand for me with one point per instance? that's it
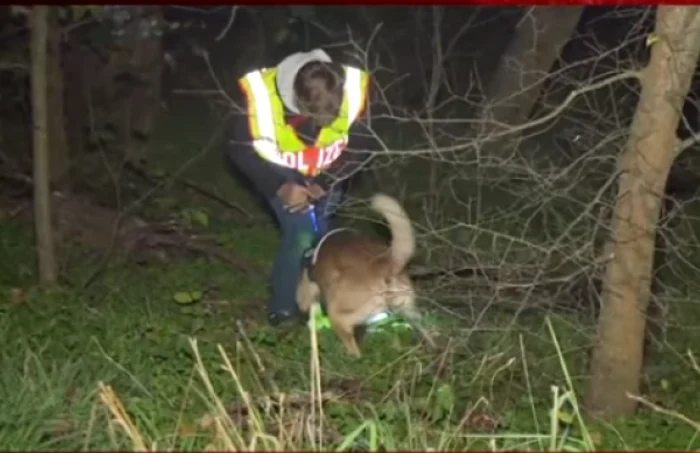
(295, 197)
(316, 191)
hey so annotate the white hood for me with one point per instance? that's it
(287, 71)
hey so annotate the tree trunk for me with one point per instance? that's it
(147, 61)
(76, 66)
(42, 189)
(518, 80)
(617, 359)
(60, 159)
(141, 57)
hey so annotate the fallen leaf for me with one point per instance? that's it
(17, 296)
(187, 430)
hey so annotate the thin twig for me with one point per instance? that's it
(232, 17)
(673, 414)
(192, 186)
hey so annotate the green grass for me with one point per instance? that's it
(72, 356)
(127, 332)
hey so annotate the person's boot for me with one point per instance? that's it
(277, 318)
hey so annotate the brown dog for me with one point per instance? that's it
(361, 277)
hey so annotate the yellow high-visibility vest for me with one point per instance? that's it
(276, 141)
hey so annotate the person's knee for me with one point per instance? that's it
(298, 221)
(288, 220)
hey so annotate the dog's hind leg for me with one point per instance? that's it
(404, 304)
(347, 336)
(308, 292)
(346, 333)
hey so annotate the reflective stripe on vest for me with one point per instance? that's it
(277, 142)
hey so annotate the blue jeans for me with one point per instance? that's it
(298, 234)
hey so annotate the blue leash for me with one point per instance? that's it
(310, 245)
(314, 218)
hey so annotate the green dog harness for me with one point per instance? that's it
(383, 321)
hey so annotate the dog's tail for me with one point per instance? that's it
(403, 242)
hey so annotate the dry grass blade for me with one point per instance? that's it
(258, 425)
(222, 421)
(116, 408)
(316, 392)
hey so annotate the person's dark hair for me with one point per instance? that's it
(318, 87)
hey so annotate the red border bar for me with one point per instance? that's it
(394, 2)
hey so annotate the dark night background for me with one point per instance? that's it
(157, 240)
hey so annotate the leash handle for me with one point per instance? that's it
(314, 217)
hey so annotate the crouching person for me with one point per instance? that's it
(298, 141)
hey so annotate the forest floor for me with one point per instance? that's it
(177, 356)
